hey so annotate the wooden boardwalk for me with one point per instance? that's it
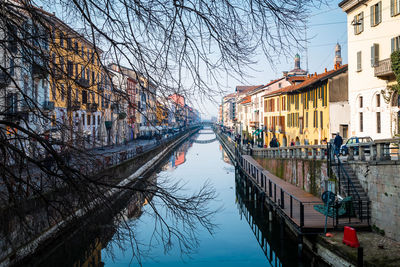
(295, 204)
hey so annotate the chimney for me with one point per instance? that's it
(315, 74)
(326, 70)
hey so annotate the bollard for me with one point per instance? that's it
(360, 257)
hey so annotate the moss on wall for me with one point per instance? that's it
(309, 175)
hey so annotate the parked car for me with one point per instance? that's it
(356, 142)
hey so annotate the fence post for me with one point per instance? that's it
(291, 206)
(282, 199)
(301, 214)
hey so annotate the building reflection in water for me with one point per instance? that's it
(268, 234)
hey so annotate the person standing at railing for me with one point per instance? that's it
(338, 143)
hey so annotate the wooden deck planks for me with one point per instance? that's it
(312, 218)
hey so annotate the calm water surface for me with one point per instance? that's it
(244, 237)
(232, 244)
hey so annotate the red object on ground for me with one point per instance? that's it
(350, 237)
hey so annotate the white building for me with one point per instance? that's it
(373, 33)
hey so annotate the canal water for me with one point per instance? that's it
(243, 236)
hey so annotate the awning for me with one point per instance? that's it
(257, 132)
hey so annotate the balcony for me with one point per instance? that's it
(16, 115)
(92, 107)
(39, 71)
(4, 79)
(83, 82)
(74, 105)
(384, 71)
(48, 105)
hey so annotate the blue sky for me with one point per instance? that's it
(327, 26)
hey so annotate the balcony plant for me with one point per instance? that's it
(395, 61)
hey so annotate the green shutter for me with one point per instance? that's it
(376, 54)
(355, 24)
(372, 8)
(380, 12)
(362, 21)
(392, 43)
(373, 56)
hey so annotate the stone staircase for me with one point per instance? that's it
(346, 189)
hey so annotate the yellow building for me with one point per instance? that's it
(311, 112)
(77, 83)
(312, 116)
(275, 110)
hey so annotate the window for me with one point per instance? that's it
(84, 97)
(62, 92)
(378, 100)
(83, 52)
(361, 101)
(69, 43)
(321, 119)
(376, 14)
(70, 69)
(12, 67)
(61, 64)
(88, 119)
(61, 39)
(76, 47)
(306, 119)
(358, 23)
(378, 122)
(361, 122)
(394, 7)
(395, 43)
(374, 55)
(359, 64)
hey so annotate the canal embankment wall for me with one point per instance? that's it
(381, 182)
(42, 233)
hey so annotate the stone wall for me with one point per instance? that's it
(382, 183)
(310, 175)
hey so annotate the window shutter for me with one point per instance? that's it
(372, 8)
(376, 53)
(392, 8)
(355, 24)
(392, 42)
(373, 56)
(362, 21)
(380, 12)
(359, 61)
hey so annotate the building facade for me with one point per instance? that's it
(373, 34)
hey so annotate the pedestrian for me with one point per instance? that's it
(292, 143)
(338, 143)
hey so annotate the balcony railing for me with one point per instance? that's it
(383, 70)
(48, 105)
(74, 105)
(83, 82)
(92, 107)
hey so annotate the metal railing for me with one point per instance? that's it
(345, 181)
(292, 206)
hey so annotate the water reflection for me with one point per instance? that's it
(242, 239)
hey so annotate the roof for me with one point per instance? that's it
(241, 89)
(246, 100)
(310, 81)
(273, 81)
